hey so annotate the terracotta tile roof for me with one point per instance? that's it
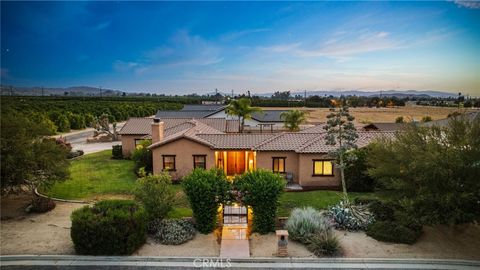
(287, 141)
(234, 141)
(364, 138)
(142, 126)
(299, 142)
(137, 126)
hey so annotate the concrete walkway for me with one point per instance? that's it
(235, 242)
(27, 262)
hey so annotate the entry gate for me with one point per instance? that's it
(235, 214)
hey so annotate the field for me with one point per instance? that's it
(385, 115)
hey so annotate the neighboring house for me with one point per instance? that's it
(178, 149)
(444, 122)
(267, 120)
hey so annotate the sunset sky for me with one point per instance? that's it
(180, 47)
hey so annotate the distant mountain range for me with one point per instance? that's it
(60, 91)
(384, 93)
(94, 91)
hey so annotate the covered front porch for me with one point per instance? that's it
(236, 162)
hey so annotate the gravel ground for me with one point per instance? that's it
(49, 233)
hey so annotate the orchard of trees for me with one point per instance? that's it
(65, 113)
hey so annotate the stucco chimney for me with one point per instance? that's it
(157, 130)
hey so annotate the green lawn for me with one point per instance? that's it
(320, 199)
(96, 176)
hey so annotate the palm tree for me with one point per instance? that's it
(293, 119)
(243, 109)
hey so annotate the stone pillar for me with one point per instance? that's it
(282, 243)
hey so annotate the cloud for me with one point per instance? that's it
(366, 42)
(238, 34)
(281, 47)
(468, 4)
(101, 26)
(182, 50)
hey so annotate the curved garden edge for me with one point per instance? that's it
(57, 199)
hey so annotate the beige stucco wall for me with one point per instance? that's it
(306, 177)
(128, 144)
(264, 161)
(183, 149)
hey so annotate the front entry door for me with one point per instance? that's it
(235, 162)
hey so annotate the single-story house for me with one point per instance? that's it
(268, 120)
(178, 149)
(137, 130)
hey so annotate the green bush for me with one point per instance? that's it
(305, 222)
(142, 156)
(117, 152)
(172, 231)
(390, 231)
(112, 227)
(206, 190)
(325, 243)
(261, 190)
(156, 194)
(383, 211)
(41, 205)
(356, 174)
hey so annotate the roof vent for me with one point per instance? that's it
(156, 120)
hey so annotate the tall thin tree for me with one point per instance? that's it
(341, 133)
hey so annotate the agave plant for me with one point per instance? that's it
(303, 223)
(351, 217)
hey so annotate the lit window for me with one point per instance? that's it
(322, 167)
(278, 164)
(200, 161)
(168, 163)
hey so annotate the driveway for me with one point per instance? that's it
(78, 139)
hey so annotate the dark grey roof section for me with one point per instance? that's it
(209, 107)
(444, 122)
(268, 116)
(182, 114)
(385, 126)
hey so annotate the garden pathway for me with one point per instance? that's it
(235, 242)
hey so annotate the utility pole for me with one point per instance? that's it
(305, 98)
(42, 91)
(100, 89)
(232, 93)
(11, 90)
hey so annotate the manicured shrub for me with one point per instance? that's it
(389, 231)
(261, 190)
(117, 152)
(325, 243)
(383, 211)
(74, 154)
(356, 174)
(172, 231)
(41, 205)
(206, 190)
(156, 194)
(350, 217)
(142, 156)
(305, 222)
(111, 227)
